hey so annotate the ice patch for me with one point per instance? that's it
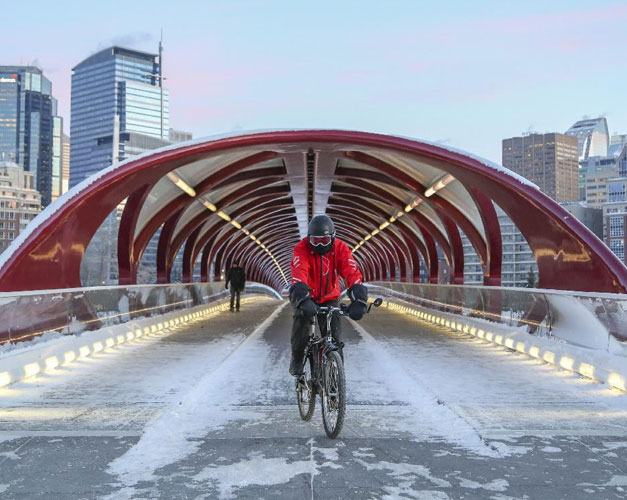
(255, 470)
(328, 453)
(404, 492)
(551, 449)
(10, 455)
(615, 445)
(361, 454)
(617, 481)
(406, 471)
(496, 485)
(4, 487)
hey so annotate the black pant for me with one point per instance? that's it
(302, 326)
(235, 293)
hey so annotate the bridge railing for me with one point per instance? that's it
(25, 315)
(592, 320)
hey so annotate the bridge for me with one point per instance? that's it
(454, 391)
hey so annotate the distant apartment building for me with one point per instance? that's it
(20, 202)
(518, 258)
(119, 109)
(615, 210)
(592, 137)
(30, 130)
(589, 216)
(596, 175)
(548, 160)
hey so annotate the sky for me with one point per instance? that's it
(467, 74)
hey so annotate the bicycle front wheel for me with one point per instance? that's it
(305, 391)
(333, 394)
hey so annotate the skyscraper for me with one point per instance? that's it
(592, 136)
(30, 129)
(119, 108)
(549, 160)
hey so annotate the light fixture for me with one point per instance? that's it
(410, 206)
(224, 216)
(209, 205)
(384, 225)
(236, 224)
(440, 184)
(180, 183)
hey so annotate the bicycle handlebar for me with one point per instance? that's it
(342, 309)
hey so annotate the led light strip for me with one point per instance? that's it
(434, 188)
(66, 356)
(181, 184)
(611, 378)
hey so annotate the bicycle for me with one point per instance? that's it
(323, 374)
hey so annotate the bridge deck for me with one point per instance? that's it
(208, 411)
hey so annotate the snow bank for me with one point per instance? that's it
(598, 365)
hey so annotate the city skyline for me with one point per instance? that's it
(246, 65)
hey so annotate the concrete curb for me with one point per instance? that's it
(596, 365)
(25, 363)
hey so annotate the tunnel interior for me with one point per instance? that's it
(404, 206)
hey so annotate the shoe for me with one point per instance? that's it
(237, 310)
(231, 310)
(296, 366)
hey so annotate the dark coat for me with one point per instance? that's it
(237, 277)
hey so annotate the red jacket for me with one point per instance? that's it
(321, 273)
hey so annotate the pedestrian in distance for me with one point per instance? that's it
(236, 276)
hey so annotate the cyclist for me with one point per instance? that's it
(319, 261)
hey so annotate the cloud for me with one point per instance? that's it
(130, 40)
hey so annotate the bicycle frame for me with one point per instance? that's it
(327, 342)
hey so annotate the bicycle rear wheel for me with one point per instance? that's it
(304, 390)
(333, 394)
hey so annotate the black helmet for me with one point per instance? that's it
(321, 234)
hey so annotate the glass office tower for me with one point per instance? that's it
(29, 125)
(118, 109)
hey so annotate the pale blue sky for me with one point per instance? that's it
(468, 73)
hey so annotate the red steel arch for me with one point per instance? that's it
(251, 195)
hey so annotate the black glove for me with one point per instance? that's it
(308, 308)
(226, 287)
(301, 301)
(357, 310)
(359, 300)
(298, 293)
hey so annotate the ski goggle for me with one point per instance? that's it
(320, 240)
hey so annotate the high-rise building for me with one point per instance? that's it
(30, 129)
(518, 259)
(615, 209)
(617, 144)
(592, 137)
(596, 173)
(119, 109)
(65, 163)
(548, 160)
(20, 202)
(179, 136)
